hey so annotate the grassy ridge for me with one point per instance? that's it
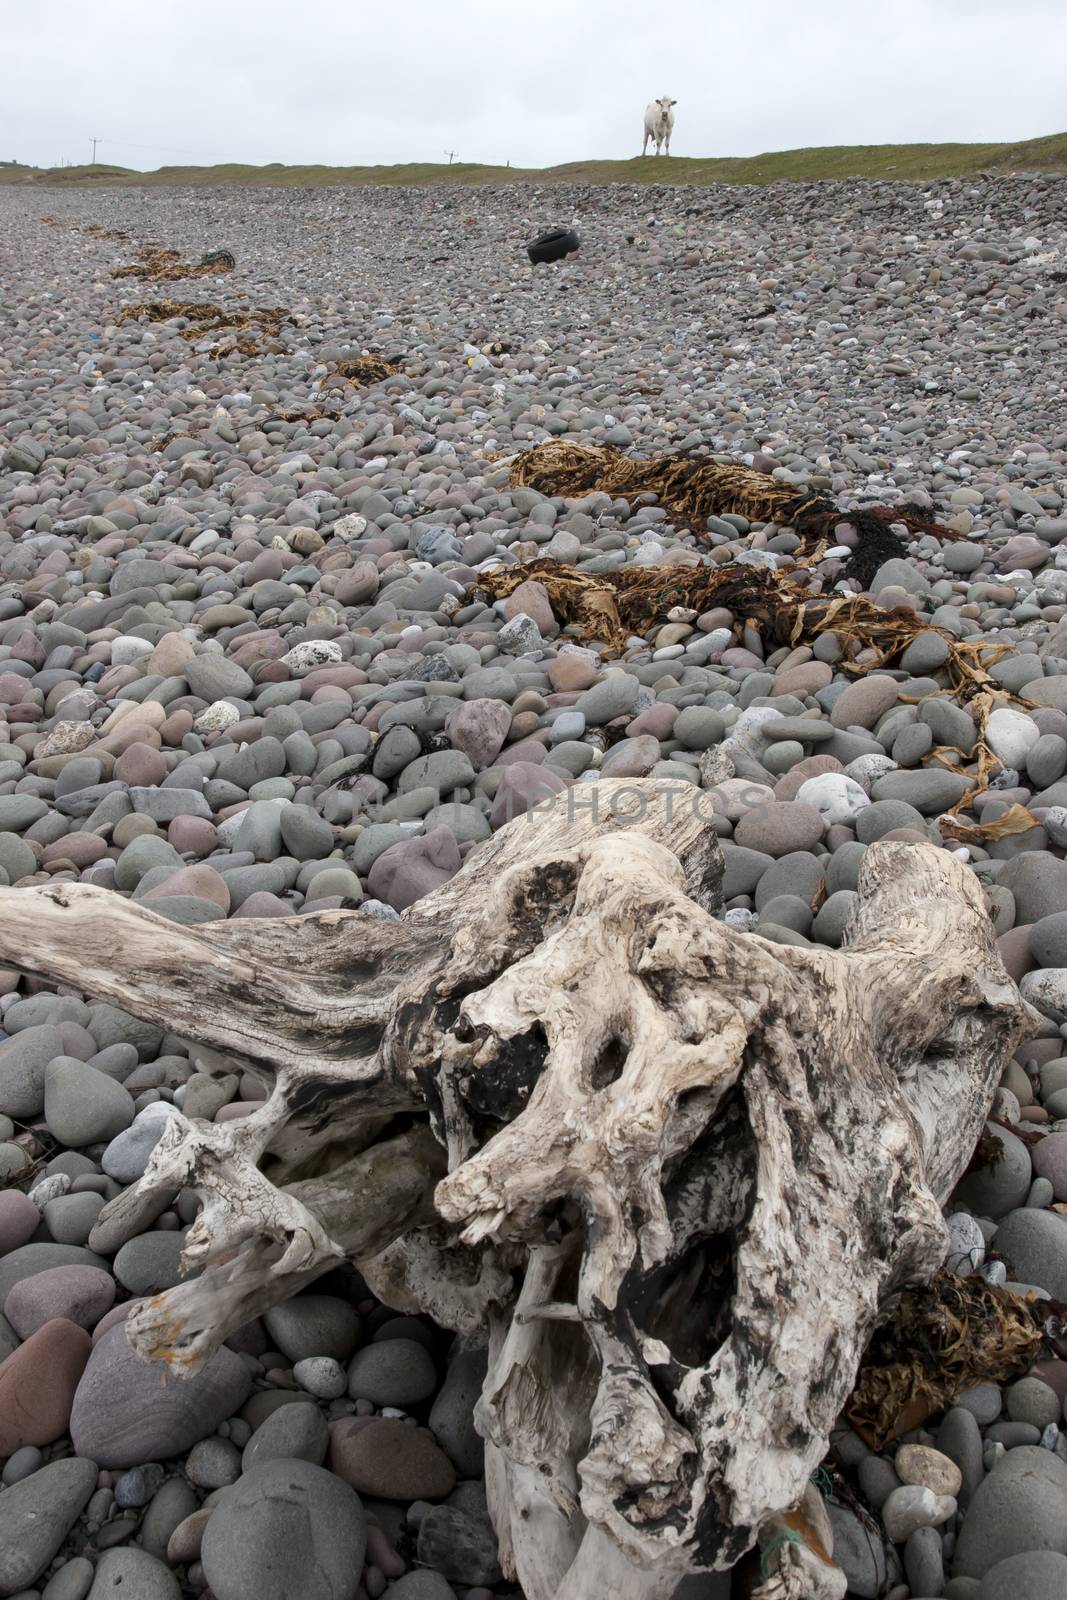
(914, 162)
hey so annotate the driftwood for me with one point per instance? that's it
(674, 1173)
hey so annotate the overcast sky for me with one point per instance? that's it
(161, 82)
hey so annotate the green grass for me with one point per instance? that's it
(902, 162)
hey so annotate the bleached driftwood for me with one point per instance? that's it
(672, 1171)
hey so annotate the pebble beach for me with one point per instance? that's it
(245, 672)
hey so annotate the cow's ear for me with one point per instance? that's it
(674, 102)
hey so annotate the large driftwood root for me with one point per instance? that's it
(673, 1172)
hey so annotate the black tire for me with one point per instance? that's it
(552, 246)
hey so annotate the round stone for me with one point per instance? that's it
(966, 1245)
(1048, 940)
(321, 1376)
(423, 1584)
(81, 1295)
(779, 827)
(836, 797)
(1050, 1161)
(123, 1417)
(864, 701)
(314, 1325)
(1034, 1245)
(1047, 991)
(994, 1189)
(1020, 1506)
(19, 1220)
(35, 1517)
(285, 1528)
(38, 1383)
(1011, 735)
(293, 1432)
(396, 1372)
(928, 1468)
(213, 1463)
(120, 1574)
(381, 1457)
(699, 727)
(1034, 1575)
(150, 1263)
(1030, 1400)
(914, 1506)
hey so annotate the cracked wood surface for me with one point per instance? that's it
(672, 1172)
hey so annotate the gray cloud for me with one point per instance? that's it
(560, 80)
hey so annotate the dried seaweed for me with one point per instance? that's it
(988, 1152)
(91, 229)
(328, 413)
(167, 266)
(207, 317)
(364, 370)
(614, 608)
(155, 446)
(691, 488)
(945, 1337)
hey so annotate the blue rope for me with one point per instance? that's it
(787, 1536)
(823, 1482)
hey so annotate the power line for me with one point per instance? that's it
(165, 149)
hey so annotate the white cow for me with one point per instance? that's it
(659, 124)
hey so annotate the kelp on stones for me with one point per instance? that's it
(166, 266)
(691, 488)
(362, 371)
(615, 608)
(204, 317)
(945, 1337)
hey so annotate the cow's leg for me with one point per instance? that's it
(644, 147)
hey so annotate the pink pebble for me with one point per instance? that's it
(737, 657)
(192, 836)
(718, 617)
(658, 720)
(81, 848)
(202, 882)
(381, 1554)
(142, 765)
(375, 712)
(19, 1220)
(173, 730)
(264, 904)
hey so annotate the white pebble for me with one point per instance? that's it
(913, 1506)
(321, 1376)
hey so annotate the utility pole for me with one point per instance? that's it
(95, 143)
